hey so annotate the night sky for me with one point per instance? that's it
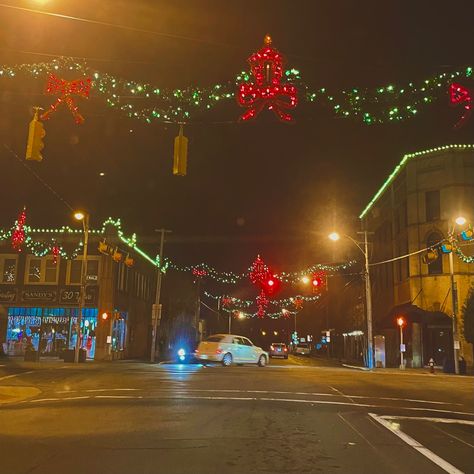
(263, 187)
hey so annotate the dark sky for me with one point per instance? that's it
(261, 181)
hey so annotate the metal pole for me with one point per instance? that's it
(327, 315)
(368, 303)
(82, 296)
(156, 312)
(402, 364)
(230, 322)
(455, 305)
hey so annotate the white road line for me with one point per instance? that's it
(15, 375)
(427, 418)
(118, 396)
(37, 400)
(113, 390)
(318, 394)
(342, 394)
(446, 466)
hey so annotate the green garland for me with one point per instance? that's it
(149, 103)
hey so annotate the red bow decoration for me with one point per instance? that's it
(55, 251)
(267, 92)
(298, 302)
(199, 272)
(65, 90)
(18, 234)
(459, 94)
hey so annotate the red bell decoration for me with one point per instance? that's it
(267, 90)
(458, 94)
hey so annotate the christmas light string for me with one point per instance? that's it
(42, 248)
(390, 103)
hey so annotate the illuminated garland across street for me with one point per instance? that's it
(41, 248)
(149, 103)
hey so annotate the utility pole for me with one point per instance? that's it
(82, 297)
(368, 304)
(156, 311)
(454, 299)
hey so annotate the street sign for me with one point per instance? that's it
(402, 348)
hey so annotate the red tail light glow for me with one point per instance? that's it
(219, 351)
(285, 349)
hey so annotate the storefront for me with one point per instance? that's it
(49, 330)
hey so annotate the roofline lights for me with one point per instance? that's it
(399, 167)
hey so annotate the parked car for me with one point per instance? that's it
(303, 348)
(278, 349)
(229, 349)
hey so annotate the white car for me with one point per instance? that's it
(229, 349)
(303, 349)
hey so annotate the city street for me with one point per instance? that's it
(295, 415)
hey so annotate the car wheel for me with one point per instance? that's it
(262, 361)
(227, 359)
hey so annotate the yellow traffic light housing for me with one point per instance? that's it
(35, 143)
(180, 159)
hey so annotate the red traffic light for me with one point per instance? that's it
(401, 321)
(105, 316)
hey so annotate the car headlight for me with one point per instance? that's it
(181, 353)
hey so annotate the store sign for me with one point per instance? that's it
(71, 295)
(7, 295)
(39, 295)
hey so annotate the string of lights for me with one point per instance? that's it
(150, 103)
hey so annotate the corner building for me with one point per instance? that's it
(414, 209)
(39, 294)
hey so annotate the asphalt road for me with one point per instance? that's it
(295, 416)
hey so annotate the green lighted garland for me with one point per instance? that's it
(41, 248)
(149, 103)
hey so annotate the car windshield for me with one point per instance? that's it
(214, 339)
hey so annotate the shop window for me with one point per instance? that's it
(75, 269)
(8, 268)
(432, 205)
(436, 267)
(41, 270)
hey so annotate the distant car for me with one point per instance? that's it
(278, 349)
(229, 349)
(303, 348)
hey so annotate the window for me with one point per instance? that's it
(436, 267)
(8, 268)
(237, 340)
(75, 269)
(41, 270)
(432, 206)
(247, 342)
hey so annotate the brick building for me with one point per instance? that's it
(39, 293)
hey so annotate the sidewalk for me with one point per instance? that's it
(410, 371)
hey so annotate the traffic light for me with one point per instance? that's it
(35, 144)
(180, 159)
(271, 284)
(430, 256)
(317, 282)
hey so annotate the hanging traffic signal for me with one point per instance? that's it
(35, 144)
(430, 256)
(270, 284)
(317, 282)
(180, 159)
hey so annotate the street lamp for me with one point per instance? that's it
(335, 236)
(84, 218)
(460, 220)
(401, 323)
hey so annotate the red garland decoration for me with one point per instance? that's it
(18, 235)
(459, 94)
(199, 272)
(226, 301)
(258, 271)
(55, 252)
(267, 92)
(66, 89)
(298, 303)
(262, 303)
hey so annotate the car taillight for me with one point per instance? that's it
(196, 351)
(272, 348)
(219, 351)
(285, 349)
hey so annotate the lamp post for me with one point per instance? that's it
(401, 323)
(334, 236)
(84, 217)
